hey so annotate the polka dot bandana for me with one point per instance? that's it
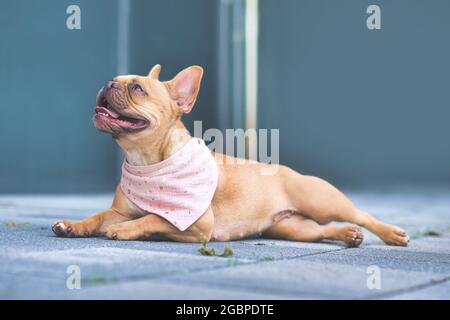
(179, 188)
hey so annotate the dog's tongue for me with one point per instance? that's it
(111, 112)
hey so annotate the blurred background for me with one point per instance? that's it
(362, 108)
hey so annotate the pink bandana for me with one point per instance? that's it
(179, 188)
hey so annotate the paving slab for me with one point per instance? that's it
(34, 261)
(436, 291)
(301, 279)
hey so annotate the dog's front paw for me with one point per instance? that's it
(69, 229)
(62, 228)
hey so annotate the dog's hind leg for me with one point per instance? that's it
(322, 202)
(299, 228)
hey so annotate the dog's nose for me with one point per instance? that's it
(114, 85)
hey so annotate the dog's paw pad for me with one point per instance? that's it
(352, 236)
(112, 236)
(61, 229)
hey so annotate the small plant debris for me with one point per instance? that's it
(209, 251)
(266, 258)
(227, 252)
(99, 279)
(14, 224)
(432, 233)
(426, 233)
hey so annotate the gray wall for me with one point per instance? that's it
(49, 78)
(358, 107)
(177, 35)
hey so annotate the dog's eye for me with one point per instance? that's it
(137, 88)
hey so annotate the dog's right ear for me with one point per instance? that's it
(185, 86)
(154, 72)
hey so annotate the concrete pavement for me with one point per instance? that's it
(34, 263)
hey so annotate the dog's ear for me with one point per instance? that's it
(185, 86)
(154, 72)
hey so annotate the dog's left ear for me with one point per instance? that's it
(185, 86)
(154, 72)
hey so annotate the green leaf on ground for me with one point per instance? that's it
(99, 279)
(14, 224)
(426, 233)
(227, 252)
(432, 233)
(266, 258)
(209, 251)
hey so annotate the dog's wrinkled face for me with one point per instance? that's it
(136, 105)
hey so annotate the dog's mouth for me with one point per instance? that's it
(108, 119)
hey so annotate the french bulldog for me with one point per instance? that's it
(232, 201)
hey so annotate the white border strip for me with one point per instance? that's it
(123, 31)
(123, 28)
(251, 64)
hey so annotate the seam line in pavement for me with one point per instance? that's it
(197, 270)
(393, 293)
(256, 262)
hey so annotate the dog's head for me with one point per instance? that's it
(141, 106)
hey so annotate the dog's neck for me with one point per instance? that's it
(155, 148)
